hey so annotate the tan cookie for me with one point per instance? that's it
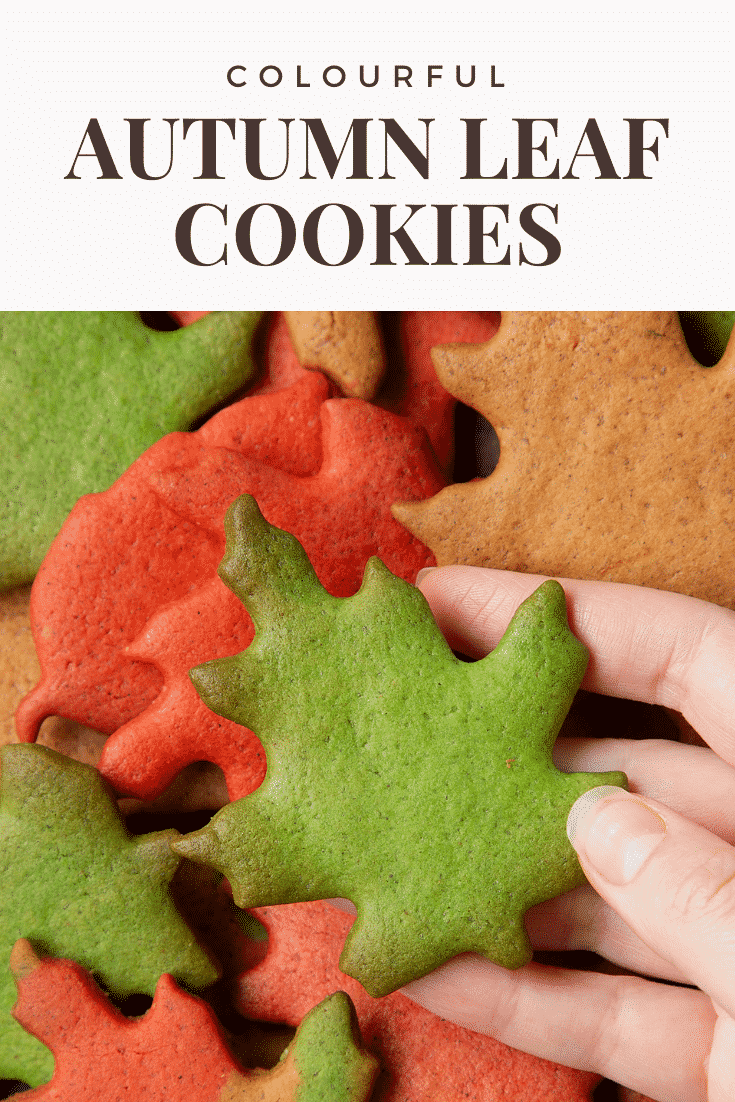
(19, 669)
(617, 455)
(345, 344)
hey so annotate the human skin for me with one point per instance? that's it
(660, 860)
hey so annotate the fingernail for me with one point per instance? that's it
(423, 572)
(614, 832)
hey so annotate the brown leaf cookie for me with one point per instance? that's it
(345, 344)
(617, 455)
(19, 667)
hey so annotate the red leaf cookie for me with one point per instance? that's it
(416, 392)
(427, 1058)
(411, 388)
(282, 431)
(176, 1052)
(147, 753)
(121, 555)
(156, 538)
(343, 517)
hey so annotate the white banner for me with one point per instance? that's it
(412, 159)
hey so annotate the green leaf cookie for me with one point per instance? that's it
(327, 1056)
(82, 395)
(75, 884)
(419, 786)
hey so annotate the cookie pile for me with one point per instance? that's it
(268, 552)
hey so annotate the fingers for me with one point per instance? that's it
(582, 920)
(690, 779)
(644, 644)
(608, 1024)
(671, 881)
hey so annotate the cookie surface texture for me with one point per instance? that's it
(75, 884)
(19, 668)
(416, 785)
(82, 395)
(617, 455)
(176, 1052)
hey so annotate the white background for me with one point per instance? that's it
(666, 242)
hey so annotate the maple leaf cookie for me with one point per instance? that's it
(419, 786)
(617, 455)
(177, 1051)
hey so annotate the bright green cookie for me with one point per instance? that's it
(328, 1055)
(416, 785)
(82, 395)
(75, 883)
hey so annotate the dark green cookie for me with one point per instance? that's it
(707, 333)
(75, 883)
(82, 395)
(416, 785)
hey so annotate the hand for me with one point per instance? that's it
(661, 859)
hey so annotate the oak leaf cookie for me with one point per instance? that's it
(75, 883)
(82, 395)
(426, 1058)
(617, 455)
(416, 785)
(176, 1052)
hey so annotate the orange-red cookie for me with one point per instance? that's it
(176, 1052)
(124, 553)
(410, 387)
(426, 1058)
(413, 389)
(128, 556)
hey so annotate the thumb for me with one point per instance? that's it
(672, 881)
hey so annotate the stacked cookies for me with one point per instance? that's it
(146, 581)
